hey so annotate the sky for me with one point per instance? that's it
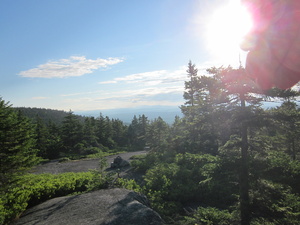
(85, 55)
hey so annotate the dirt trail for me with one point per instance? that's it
(83, 165)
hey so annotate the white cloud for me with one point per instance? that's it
(160, 87)
(152, 78)
(73, 67)
(124, 98)
(39, 98)
(108, 82)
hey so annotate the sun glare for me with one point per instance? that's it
(225, 29)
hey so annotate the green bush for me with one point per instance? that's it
(2, 212)
(184, 180)
(209, 216)
(99, 180)
(144, 162)
(275, 203)
(33, 189)
(129, 184)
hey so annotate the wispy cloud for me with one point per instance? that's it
(159, 87)
(151, 78)
(39, 98)
(125, 98)
(108, 82)
(72, 67)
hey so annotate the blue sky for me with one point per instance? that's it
(105, 54)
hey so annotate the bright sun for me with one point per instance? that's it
(225, 29)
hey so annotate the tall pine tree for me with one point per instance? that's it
(17, 144)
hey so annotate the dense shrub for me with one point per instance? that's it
(144, 162)
(188, 179)
(210, 216)
(33, 189)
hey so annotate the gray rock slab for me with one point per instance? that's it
(104, 207)
(76, 166)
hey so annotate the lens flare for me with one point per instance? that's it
(225, 30)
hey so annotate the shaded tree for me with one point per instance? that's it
(41, 137)
(287, 127)
(137, 132)
(54, 141)
(89, 132)
(157, 135)
(101, 129)
(71, 133)
(17, 144)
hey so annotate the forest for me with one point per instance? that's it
(228, 160)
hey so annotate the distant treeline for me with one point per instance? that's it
(46, 115)
(64, 134)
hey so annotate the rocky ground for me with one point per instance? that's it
(83, 165)
(113, 206)
(104, 207)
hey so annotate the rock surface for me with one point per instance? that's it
(104, 207)
(56, 167)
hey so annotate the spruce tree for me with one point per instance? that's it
(17, 152)
(41, 138)
(71, 133)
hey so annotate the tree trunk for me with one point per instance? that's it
(244, 173)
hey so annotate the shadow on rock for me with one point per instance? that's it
(103, 207)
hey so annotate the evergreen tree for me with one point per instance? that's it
(205, 98)
(137, 132)
(178, 134)
(247, 116)
(286, 119)
(71, 133)
(119, 132)
(157, 135)
(133, 133)
(89, 132)
(109, 142)
(220, 105)
(287, 127)
(191, 86)
(55, 144)
(17, 152)
(142, 130)
(101, 129)
(41, 138)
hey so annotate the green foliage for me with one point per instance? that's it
(157, 135)
(274, 202)
(2, 210)
(286, 125)
(76, 137)
(17, 152)
(280, 168)
(144, 162)
(33, 189)
(236, 137)
(187, 179)
(209, 216)
(71, 134)
(46, 115)
(137, 132)
(99, 180)
(129, 184)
